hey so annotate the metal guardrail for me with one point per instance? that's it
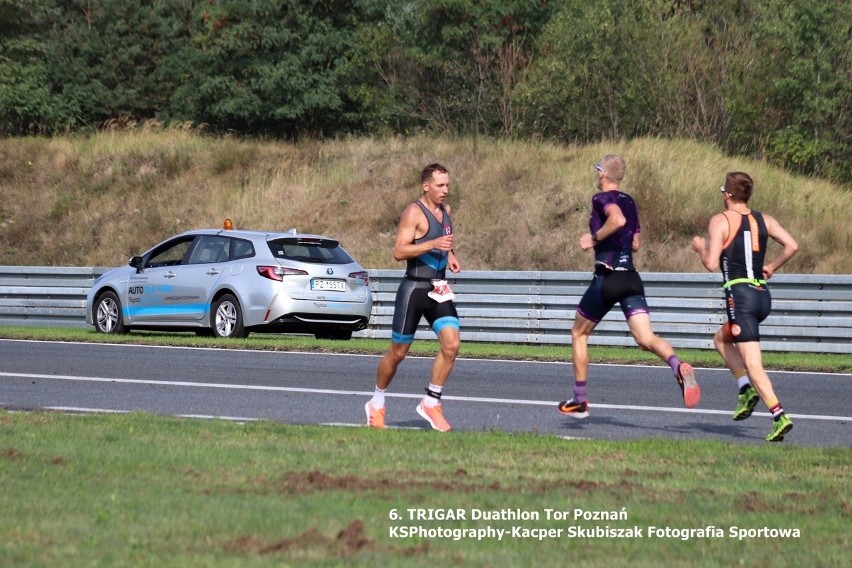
(811, 313)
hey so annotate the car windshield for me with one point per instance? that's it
(314, 249)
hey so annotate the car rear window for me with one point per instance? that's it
(320, 251)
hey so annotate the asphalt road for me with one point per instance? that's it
(304, 388)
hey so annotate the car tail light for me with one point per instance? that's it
(278, 272)
(363, 275)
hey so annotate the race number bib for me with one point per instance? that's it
(441, 291)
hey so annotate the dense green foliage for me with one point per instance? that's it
(768, 79)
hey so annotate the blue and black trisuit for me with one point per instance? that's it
(412, 300)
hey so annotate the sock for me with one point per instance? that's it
(433, 395)
(743, 383)
(674, 363)
(378, 400)
(776, 411)
(580, 391)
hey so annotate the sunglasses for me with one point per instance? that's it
(599, 168)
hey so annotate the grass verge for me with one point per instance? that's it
(141, 490)
(813, 362)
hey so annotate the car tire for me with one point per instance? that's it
(106, 314)
(336, 335)
(226, 318)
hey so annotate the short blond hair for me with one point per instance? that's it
(613, 166)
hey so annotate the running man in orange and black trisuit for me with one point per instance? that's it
(737, 244)
(614, 235)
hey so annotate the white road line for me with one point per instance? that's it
(395, 395)
(82, 409)
(238, 419)
(79, 409)
(378, 356)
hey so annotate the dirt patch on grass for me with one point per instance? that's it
(300, 482)
(296, 482)
(11, 454)
(351, 540)
(753, 502)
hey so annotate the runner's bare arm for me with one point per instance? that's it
(789, 245)
(710, 250)
(411, 223)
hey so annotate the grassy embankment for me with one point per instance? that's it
(97, 200)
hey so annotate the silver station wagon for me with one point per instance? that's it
(229, 283)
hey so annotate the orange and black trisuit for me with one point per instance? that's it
(747, 299)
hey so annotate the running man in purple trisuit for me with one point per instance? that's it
(614, 234)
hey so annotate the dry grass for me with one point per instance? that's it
(96, 200)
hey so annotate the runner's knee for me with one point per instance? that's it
(397, 353)
(579, 334)
(645, 341)
(719, 341)
(450, 346)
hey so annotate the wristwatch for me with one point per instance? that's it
(595, 237)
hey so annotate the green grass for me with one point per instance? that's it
(140, 490)
(814, 362)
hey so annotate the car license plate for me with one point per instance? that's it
(328, 285)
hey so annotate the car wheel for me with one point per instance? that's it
(226, 318)
(106, 314)
(336, 334)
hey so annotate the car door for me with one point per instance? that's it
(151, 294)
(199, 276)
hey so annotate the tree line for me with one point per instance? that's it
(770, 78)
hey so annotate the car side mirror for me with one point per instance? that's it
(136, 262)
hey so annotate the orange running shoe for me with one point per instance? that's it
(375, 416)
(435, 416)
(573, 408)
(688, 386)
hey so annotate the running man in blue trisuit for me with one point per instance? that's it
(737, 245)
(424, 240)
(614, 235)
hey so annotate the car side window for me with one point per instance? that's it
(241, 249)
(210, 249)
(170, 253)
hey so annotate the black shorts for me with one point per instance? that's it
(412, 303)
(610, 287)
(747, 305)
